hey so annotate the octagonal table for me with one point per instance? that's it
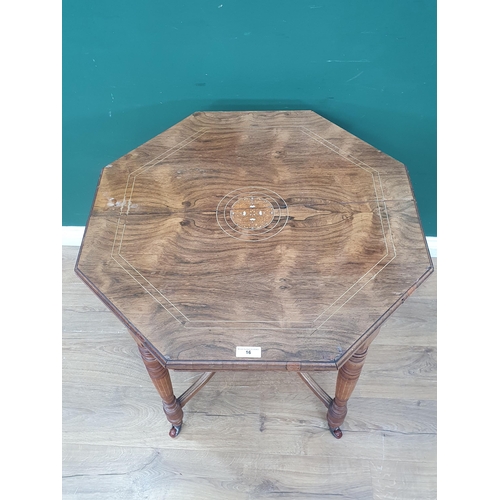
(254, 241)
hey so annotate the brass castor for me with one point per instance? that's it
(336, 433)
(174, 431)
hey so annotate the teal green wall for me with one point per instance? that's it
(132, 69)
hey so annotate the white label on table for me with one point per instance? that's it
(248, 352)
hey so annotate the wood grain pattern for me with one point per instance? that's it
(227, 475)
(275, 441)
(344, 249)
(161, 380)
(347, 378)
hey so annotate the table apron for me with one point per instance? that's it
(211, 366)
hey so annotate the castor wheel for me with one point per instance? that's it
(174, 431)
(336, 433)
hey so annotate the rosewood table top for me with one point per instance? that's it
(254, 240)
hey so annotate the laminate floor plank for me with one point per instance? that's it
(401, 480)
(103, 471)
(96, 414)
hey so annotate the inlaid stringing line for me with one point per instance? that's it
(355, 293)
(159, 158)
(359, 163)
(350, 288)
(200, 132)
(140, 284)
(348, 157)
(381, 224)
(145, 279)
(125, 260)
(130, 199)
(116, 235)
(380, 210)
(352, 296)
(147, 163)
(121, 240)
(373, 181)
(169, 152)
(154, 288)
(345, 155)
(385, 239)
(368, 167)
(156, 163)
(386, 212)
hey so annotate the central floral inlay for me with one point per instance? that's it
(252, 212)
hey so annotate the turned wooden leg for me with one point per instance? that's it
(347, 377)
(161, 379)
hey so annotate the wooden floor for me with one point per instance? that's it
(245, 435)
